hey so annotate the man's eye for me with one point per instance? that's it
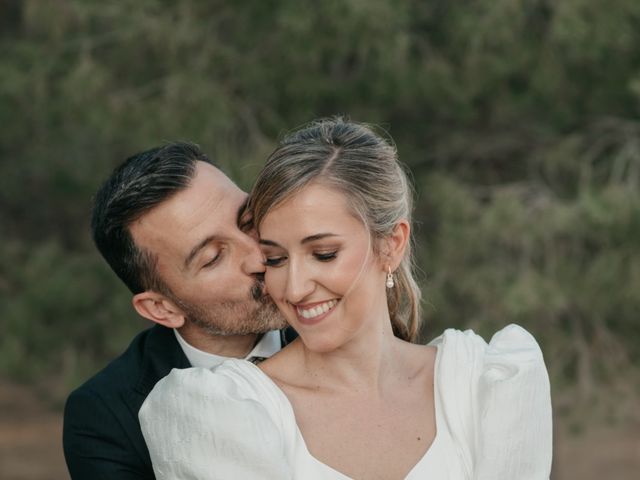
(211, 262)
(326, 256)
(274, 261)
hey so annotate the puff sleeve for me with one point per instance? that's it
(513, 426)
(203, 424)
(496, 404)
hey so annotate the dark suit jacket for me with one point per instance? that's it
(101, 435)
(102, 439)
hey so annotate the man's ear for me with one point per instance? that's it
(159, 309)
(395, 245)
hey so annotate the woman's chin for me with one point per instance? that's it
(320, 343)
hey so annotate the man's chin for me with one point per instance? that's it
(237, 318)
(267, 317)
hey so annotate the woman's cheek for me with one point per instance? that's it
(273, 283)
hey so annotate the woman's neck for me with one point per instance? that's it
(364, 364)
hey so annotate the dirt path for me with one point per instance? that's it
(30, 437)
(30, 445)
(601, 453)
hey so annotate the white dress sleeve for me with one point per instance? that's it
(201, 424)
(513, 425)
(496, 404)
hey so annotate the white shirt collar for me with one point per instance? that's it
(267, 346)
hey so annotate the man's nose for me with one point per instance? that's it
(252, 258)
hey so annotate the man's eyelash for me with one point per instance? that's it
(212, 261)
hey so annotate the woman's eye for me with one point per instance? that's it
(326, 256)
(274, 261)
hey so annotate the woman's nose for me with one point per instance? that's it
(299, 284)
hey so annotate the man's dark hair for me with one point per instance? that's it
(142, 182)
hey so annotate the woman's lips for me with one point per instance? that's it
(310, 314)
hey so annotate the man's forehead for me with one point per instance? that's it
(209, 206)
(206, 172)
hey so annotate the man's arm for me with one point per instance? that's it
(97, 445)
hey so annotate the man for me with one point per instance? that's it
(172, 227)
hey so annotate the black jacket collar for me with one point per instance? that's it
(162, 353)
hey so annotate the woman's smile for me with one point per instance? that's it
(312, 313)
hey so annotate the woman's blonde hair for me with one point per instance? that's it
(352, 159)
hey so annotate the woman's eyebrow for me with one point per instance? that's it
(269, 243)
(310, 238)
(318, 236)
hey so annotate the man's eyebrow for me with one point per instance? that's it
(310, 238)
(195, 250)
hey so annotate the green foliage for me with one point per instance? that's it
(566, 268)
(519, 120)
(61, 312)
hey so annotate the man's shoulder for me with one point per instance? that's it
(121, 372)
(149, 356)
(101, 431)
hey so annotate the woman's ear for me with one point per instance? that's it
(159, 309)
(395, 245)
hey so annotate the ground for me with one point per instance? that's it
(31, 433)
(30, 436)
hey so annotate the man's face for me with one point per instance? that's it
(206, 261)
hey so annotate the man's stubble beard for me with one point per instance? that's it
(257, 314)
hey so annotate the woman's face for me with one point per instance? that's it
(321, 270)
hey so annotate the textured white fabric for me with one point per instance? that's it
(493, 418)
(497, 403)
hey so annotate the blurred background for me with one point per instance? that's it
(520, 120)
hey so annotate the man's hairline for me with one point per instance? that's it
(155, 256)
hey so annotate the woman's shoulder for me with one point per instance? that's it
(511, 361)
(496, 395)
(513, 345)
(232, 372)
(234, 382)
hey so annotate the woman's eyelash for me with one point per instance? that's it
(321, 256)
(274, 261)
(326, 256)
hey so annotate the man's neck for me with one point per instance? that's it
(236, 346)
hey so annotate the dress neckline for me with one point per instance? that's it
(428, 454)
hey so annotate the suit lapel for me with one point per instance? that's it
(161, 354)
(287, 335)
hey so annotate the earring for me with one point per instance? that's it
(389, 283)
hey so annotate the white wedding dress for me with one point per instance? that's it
(492, 404)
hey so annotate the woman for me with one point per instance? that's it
(352, 397)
